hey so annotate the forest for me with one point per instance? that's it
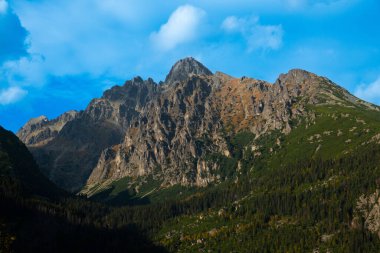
(297, 207)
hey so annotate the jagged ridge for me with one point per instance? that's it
(168, 130)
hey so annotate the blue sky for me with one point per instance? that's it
(57, 55)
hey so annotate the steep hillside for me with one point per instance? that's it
(19, 173)
(306, 206)
(36, 216)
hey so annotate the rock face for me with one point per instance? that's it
(68, 156)
(368, 209)
(168, 130)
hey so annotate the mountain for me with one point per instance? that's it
(168, 131)
(206, 162)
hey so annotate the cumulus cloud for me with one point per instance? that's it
(3, 6)
(11, 95)
(182, 26)
(369, 92)
(257, 36)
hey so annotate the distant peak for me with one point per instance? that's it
(37, 120)
(34, 122)
(185, 67)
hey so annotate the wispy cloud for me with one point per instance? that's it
(3, 6)
(181, 27)
(283, 6)
(11, 95)
(369, 92)
(26, 71)
(327, 4)
(257, 36)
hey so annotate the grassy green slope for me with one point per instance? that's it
(140, 191)
(335, 131)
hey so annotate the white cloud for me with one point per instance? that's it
(3, 6)
(183, 26)
(27, 71)
(11, 95)
(256, 35)
(266, 37)
(369, 92)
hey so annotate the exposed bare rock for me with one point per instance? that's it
(187, 121)
(39, 131)
(167, 130)
(368, 208)
(166, 139)
(70, 156)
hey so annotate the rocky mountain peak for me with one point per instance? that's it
(40, 130)
(295, 76)
(185, 67)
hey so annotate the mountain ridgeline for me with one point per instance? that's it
(168, 131)
(202, 162)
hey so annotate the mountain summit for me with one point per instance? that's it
(182, 69)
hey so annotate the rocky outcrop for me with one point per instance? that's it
(167, 139)
(168, 130)
(368, 210)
